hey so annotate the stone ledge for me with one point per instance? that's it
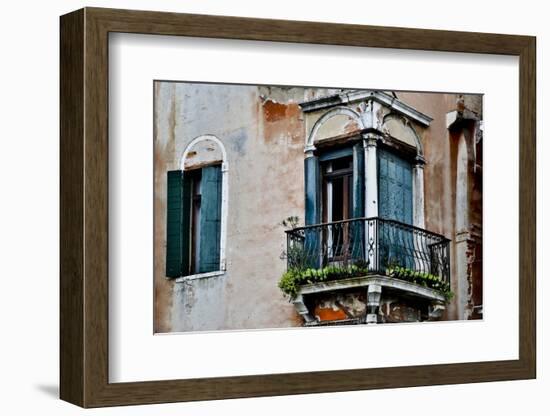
(365, 281)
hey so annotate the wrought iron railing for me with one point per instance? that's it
(374, 244)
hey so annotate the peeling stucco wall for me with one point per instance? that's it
(264, 131)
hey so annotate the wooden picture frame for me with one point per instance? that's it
(84, 207)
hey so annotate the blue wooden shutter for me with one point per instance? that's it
(177, 224)
(395, 203)
(210, 219)
(312, 236)
(394, 187)
(311, 174)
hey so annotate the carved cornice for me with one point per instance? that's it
(353, 96)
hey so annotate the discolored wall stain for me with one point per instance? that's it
(351, 126)
(283, 123)
(393, 310)
(329, 314)
(237, 141)
(164, 140)
(274, 111)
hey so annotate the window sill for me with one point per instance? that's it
(199, 276)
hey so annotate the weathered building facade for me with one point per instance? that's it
(387, 184)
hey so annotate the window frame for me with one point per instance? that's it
(224, 205)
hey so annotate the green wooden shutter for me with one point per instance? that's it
(178, 204)
(395, 203)
(312, 236)
(210, 219)
(311, 174)
(394, 187)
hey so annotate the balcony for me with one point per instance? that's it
(369, 259)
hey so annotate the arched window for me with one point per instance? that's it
(197, 211)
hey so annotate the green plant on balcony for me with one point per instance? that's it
(296, 255)
(294, 277)
(421, 278)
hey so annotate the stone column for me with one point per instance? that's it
(371, 198)
(418, 212)
(461, 225)
(418, 193)
(302, 309)
(371, 175)
(373, 303)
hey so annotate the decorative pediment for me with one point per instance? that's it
(354, 112)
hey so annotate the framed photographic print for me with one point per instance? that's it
(242, 200)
